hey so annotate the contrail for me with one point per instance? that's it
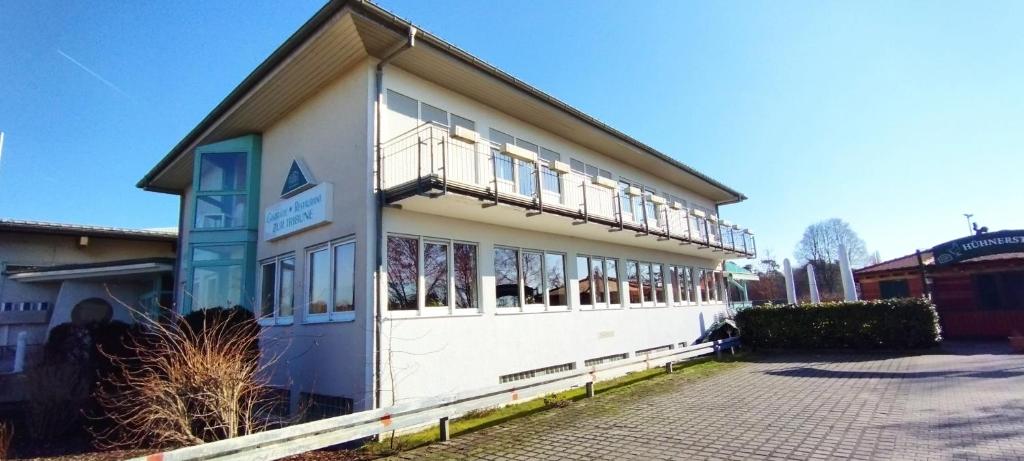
(90, 71)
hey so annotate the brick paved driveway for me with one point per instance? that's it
(964, 403)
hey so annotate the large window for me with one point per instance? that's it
(536, 277)
(331, 282)
(999, 290)
(217, 276)
(221, 198)
(277, 290)
(465, 274)
(435, 273)
(449, 273)
(599, 277)
(633, 276)
(403, 273)
(683, 284)
(506, 277)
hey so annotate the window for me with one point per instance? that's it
(583, 279)
(633, 277)
(331, 281)
(683, 286)
(435, 273)
(403, 273)
(506, 277)
(533, 279)
(894, 288)
(659, 283)
(549, 179)
(688, 284)
(221, 198)
(554, 270)
(503, 163)
(430, 113)
(611, 270)
(527, 170)
(277, 290)
(217, 276)
(465, 276)
(597, 278)
(319, 281)
(463, 122)
(647, 289)
(625, 202)
(999, 290)
(542, 282)
(344, 277)
(588, 170)
(404, 112)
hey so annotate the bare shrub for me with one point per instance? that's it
(6, 435)
(187, 382)
(56, 393)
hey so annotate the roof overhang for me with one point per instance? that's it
(113, 271)
(343, 34)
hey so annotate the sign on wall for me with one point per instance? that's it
(307, 209)
(1008, 241)
(297, 180)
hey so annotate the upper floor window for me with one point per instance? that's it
(549, 179)
(503, 163)
(221, 198)
(588, 169)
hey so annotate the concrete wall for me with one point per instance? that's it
(331, 134)
(435, 353)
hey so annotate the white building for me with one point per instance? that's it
(410, 221)
(54, 273)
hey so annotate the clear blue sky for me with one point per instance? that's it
(895, 116)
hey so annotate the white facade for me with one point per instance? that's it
(439, 314)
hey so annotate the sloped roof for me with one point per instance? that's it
(279, 58)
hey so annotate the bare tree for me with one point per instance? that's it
(820, 244)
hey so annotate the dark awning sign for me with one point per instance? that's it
(1007, 241)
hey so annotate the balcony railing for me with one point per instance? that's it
(431, 161)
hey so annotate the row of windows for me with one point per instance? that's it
(330, 272)
(423, 271)
(410, 112)
(437, 273)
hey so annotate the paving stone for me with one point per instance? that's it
(962, 403)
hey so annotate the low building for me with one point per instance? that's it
(409, 221)
(57, 273)
(976, 283)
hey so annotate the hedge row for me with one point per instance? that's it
(885, 324)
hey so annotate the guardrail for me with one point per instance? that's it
(300, 438)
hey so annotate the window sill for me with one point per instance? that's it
(614, 307)
(340, 317)
(518, 311)
(277, 322)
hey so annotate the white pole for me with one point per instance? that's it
(849, 287)
(812, 283)
(19, 352)
(790, 285)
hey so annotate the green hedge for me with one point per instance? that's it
(885, 324)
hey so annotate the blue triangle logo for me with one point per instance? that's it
(298, 179)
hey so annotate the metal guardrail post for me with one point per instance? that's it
(539, 191)
(494, 172)
(718, 352)
(668, 226)
(444, 164)
(707, 234)
(669, 367)
(689, 231)
(643, 204)
(618, 203)
(444, 429)
(586, 209)
(590, 389)
(419, 164)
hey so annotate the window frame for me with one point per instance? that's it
(607, 294)
(330, 315)
(244, 192)
(450, 308)
(275, 317)
(546, 306)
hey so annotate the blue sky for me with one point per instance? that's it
(894, 116)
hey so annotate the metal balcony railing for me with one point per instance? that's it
(430, 161)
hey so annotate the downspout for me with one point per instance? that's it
(380, 300)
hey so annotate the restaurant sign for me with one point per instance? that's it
(307, 209)
(1007, 241)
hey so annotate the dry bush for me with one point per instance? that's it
(6, 435)
(56, 395)
(185, 383)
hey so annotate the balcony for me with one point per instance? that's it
(431, 162)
